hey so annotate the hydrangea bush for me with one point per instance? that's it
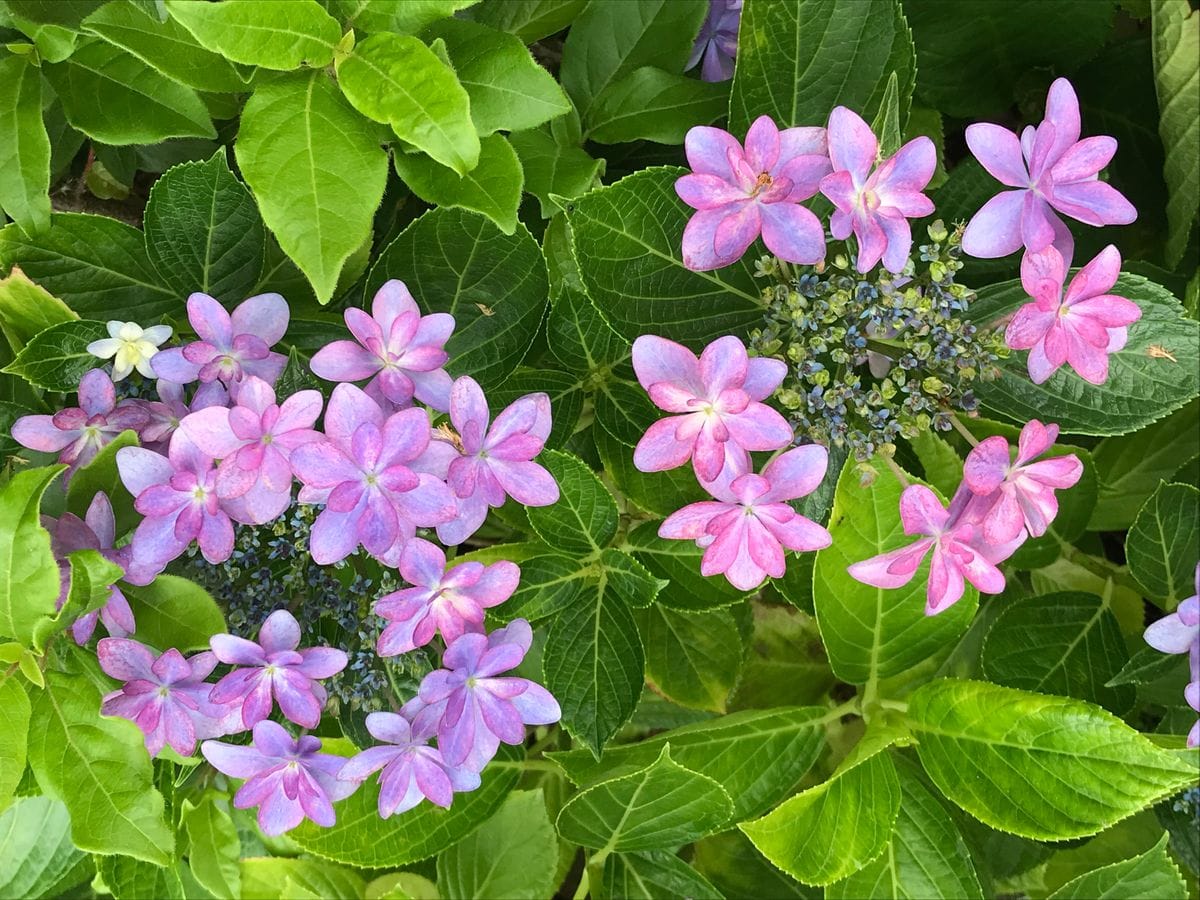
(611, 448)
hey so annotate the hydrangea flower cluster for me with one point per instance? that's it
(1179, 632)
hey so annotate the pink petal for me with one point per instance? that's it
(921, 511)
(660, 449)
(707, 191)
(723, 365)
(691, 522)
(40, 433)
(852, 145)
(1083, 160)
(909, 170)
(708, 150)
(796, 473)
(762, 144)
(469, 413)
(1093, 203)
(946, 586)
(736, 231)
(999, 152)
(210, 321)
(987, 465)
(1062, 111)
(1037, 228)
(209, 430)
(391, 301)
(1040, 365)
(334, 536)
(125, 660)
(344, 361)
(1097, 277)
(279, 632)
(526, 482)
(995, 231)
(792, 233)
(899, 242)
(265, 316)
(1042, 276)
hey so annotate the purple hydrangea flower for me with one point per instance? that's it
(717, 41)
(254, 441)
(1052, 171)
(80, 432)
(473, 707)
(286, 778)
(1021, 490)
(369, 474)
(1081, 328)
(717, 402)
(165, 413)
(231, 346)
(97, 530)
(876, 205)
(497, 457)
(273, 669)
(401, 351)
(739, 193)
(412, 770)
(165, 696)
(451, 602)
(744, 530)
(1179, 632)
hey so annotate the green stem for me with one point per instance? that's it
(538, 765)
(896, 470)
(962, 429)
(582, 890)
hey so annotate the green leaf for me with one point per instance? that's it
(92, 577)
(36, 853)
(872, 633)
(629, 579)
(692, 658)
(663, 805)
(530, 20)
(1151, 876)
(316, 170)
(554, 169)
(29, 585)
(1068, 643)
(264, 33)
(887, 120)
(64, 13)
(1176, 29)
(737, 869)
(279, 878)
(362, 839)
(660, 494)
(402, 16)
(564, 390)
(942, 466)
(213, 848)
(397, 80)
(624, 410)
(57, 358)
(24, 146)
(101, 475)
(514, 854)
(98, 767)
(1141, 387)
(94, 264)
(492, 283)
(14, 737)
(649, 104)
(832, 830)
(174, 612)
(788, 54)
(27, 308)
(1161, 546)
(549, 583)
(509, 91)
(114, 97)
(1148, 665)
(492, 188)
(654, 875)
(132, 879)
(166, 46)
(584, 519)
(758, 755)
(627, 240)
(612, 38)
(203, 231)
(1046, 768)
(785, 661)
(679, 561)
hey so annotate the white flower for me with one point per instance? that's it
(130, 347)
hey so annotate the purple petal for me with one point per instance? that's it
(796, 473)
(708, 151)
(265, 316)
(792, 233)
(999, 152)
(995, 231)
(40, 433)
(852, 145)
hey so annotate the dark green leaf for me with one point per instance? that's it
(692, 658)
(554, 169)
(55, 359)
(1176, 45)
(679, 561)
(649, 104)
(1148, 665)
(548, 584)
(584, 519)
(654, 875)
(1161, 546)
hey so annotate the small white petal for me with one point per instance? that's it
(105, 348)
(157, 334)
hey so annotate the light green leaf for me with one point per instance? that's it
(627, 240)
(1151, 876)
(649, 104)
(554, 169)
(57, 358)
(362, 839)
(280, 878)
(887, 121)
(14, 737)
(493, 187)
(36, 853)
(943, 468)
(213, 848)
(1161, 546)
(788, 54)
(1141, 387)
(203, 231)
(692, 658)
(530, 20)
(114, 97)
(132, 879)
(174, 612)
(29, 584)
(492, 283)
(54, 43)
(64, 13)
(262, 33)
(92, 577)
(584, 519)
(24, 146)
(663, 805)
(166, 46)
(102, 475)
(1046, 768)
(654, 875)
(99, 768)
(397, 80)
(402, 16)
(316, 170)
(514, 854)
(27, 308)
(757, 755)
(1176, 30)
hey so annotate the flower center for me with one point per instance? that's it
(472, 681)
(869, 200)
(761, 183)
(163, 691)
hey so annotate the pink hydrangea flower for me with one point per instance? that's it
(451, 602)
(287, 778)
(231, 346)
(97, 530)
(745, 529)
(367, 473)
(876, 205)
(718, 404)
(273, 669)
(165, 696)
(717, 41)
(254, 441)
(165, 413)
(1052, 172)
(958, 551)
(497, 457)
(1081, 328)
(1179, 632)
(80, 432)
(474, 708)
(401, 351)
(739, 193)
(412, 770)
(1021, 490)
(177, 496)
